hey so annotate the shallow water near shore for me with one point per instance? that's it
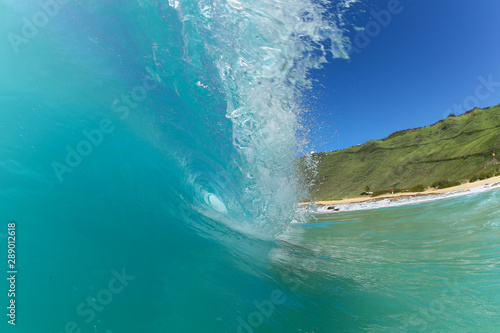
(374, 203)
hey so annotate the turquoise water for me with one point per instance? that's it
(428, 267)
(147, 154)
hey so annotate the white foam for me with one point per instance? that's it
(400, 201)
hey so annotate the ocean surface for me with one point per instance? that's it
(148, 158)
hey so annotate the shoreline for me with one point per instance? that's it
(494, 181)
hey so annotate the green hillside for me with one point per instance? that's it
(456, 148)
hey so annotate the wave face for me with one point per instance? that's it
(158, 137)
(212, 88)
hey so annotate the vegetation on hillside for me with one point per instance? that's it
(458, 148)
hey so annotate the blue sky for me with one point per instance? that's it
(428, 61)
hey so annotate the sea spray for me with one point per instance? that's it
(263, 51)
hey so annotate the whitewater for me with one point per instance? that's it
(148, 157)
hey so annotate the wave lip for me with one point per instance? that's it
(262, 52)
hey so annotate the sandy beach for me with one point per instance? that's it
(494, 181)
